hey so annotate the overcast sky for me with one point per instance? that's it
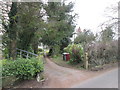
(92, 13)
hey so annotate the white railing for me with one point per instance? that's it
(25, 53)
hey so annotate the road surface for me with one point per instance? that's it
(106, 80)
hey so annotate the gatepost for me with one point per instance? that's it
(86, 61)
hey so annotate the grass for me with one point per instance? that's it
(59, 61)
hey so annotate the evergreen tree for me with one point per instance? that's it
(60, 25)
(85, 37)
(29, 23)
(107, 34)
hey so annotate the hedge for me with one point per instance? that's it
(22, 68)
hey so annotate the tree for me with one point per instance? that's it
(64, 43)
(11, 31)
(85, 37)
(26, 28)
(59, 25)
(107, 34)
(29, 23)
(24, 21)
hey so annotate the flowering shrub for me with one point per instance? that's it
(76, 52)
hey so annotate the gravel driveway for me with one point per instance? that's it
(62, 77)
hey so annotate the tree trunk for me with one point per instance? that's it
(35, 48)
(12, 49)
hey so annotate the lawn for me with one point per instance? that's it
(59, 61)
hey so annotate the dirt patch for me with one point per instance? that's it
(29, 84)
(26, 84)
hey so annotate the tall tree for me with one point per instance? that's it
(59, 25)
(11, 31)
(29, 23)
(24, 22)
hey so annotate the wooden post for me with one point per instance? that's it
(20, 54)
(27, 56)
(86, 61)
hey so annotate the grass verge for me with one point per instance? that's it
(59, 61)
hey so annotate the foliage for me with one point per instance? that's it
(85, 37)
(5, 53)
(64, 43)
(59, 25)
(107, 34)
(22, 68)
(104, 50)
(101, 53)
(9, 38)
(30, 23)
(25, 20)
(75, 51)
(27, 27)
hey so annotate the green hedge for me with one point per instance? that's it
(22, 68)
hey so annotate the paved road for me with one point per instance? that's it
(106, 80)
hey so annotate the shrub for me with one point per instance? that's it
(76, 52)
(22, 68)
(40, 49)
(102, 53)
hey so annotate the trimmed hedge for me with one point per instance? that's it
(22, 68)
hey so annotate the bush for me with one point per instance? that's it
(102, 53)
(76, 52)
(40, 49)
(22, 68)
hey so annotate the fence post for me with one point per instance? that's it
(20, 53)
(27, 56)
(86, 61)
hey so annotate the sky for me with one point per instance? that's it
(92, 13)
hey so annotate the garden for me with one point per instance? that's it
(34, 32)
(97, 56)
